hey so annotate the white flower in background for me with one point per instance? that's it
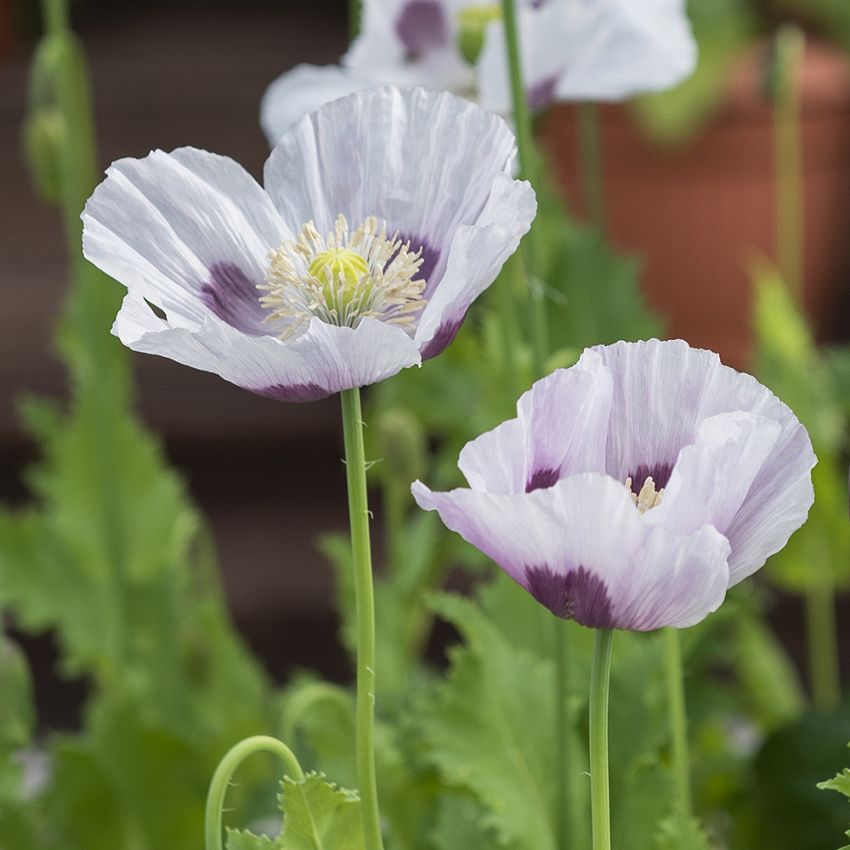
(384, 215)
(571, 50)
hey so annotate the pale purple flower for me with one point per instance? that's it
(571, 50)
(384, 215)
(635, 487)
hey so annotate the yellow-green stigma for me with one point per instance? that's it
(472, 24)
(343, 278)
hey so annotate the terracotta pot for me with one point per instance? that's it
(698, 215)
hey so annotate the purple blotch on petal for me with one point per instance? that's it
(574, 595)
(234, 298)
(441, 339)
(541, 94)
(293, 392)
(422, 26)
(430, 257)
(542, 478)
(658, 472)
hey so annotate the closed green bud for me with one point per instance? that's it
(473, 22)
(43, 136)
(401, 443)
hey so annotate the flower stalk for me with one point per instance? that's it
(224, 773)
(600, 678)
(522, 127)
(358, 509)
(677, 713)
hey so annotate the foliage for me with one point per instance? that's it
(840, 783)
(788, 362)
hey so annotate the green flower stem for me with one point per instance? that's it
(790, 46)
(224, 772)
(600, 677)
(568, 809)
(590, 160)
(354, 14)
(678, 722)
(522, 126)
(358, 509)
(823, 644)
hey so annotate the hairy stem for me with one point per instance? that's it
(678, 722)
(600, 677)
(224, 772)
(522, 125)
(358, 510)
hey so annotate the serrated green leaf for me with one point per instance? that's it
(319, 816)
(239, 839)
(489, 729)
(675, 833)
(840, 783)
(460, 824)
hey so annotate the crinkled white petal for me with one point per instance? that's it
(323, 360)
(424, 162)
(302, 90)
(476, 255)
(379, 53)
(712, 476)
(162, 225)
(582, 542)
(592, 50)
(435, 167)
(663, 391)
(561, 430)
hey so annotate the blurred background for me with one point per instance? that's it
(689, 192)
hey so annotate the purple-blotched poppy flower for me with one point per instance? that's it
(384, 215)
(635, 487)
(570, 50)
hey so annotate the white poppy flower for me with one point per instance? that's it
(571, 50)
(384, 215)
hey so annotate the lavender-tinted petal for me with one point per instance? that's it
(323, 360)
(422, 25)
(303, 90)
(427, 163)
(565, 420)
(663, 391)
(495, 461)
(476, 256)
(162, 225)
(712, 477)
(583, 549)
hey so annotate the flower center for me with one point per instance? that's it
(472, 24)
(648, 497)
(343, 278)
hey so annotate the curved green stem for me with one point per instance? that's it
(224, 772)
(600, 677)
(677, 713)
(358, 510)
(522, 127)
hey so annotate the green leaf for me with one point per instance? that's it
(460, 824)
(792, 812)
(840, 783)
(238, 839)
(789, 363)
(489, 729)
(319, 816)
(674, 833)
